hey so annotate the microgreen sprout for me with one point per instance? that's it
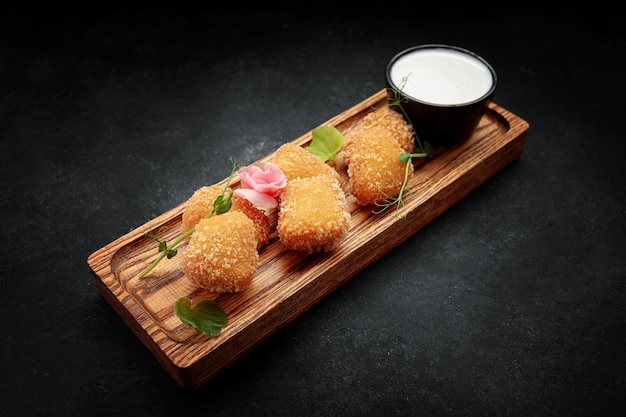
(221, 205)
(169, 252)
(424, 150)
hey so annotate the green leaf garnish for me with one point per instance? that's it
(169, 252)
(221, 205)
(326, 142)
(206, 316)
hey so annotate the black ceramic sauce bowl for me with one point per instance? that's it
(445, 90)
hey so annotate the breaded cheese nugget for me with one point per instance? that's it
(296, 162)
(371, 152)
(386, 120)
(313, 214)
(201, 203)
(221, 255)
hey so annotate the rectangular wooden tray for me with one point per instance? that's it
(288, 283)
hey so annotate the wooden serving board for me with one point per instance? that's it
(288, 283)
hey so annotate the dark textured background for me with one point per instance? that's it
(511, 303)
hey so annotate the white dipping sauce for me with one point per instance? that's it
(441, 76)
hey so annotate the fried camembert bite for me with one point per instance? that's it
(296, 162)
(221, 255)
(371, 152)
(313, 214)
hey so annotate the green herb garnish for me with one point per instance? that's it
(221, 205)
(399, 200)
(326, 142)
(206, 316)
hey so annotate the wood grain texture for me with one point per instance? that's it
(288, 283)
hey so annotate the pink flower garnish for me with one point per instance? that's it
(261, 184)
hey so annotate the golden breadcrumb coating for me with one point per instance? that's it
(371, 151)
(201, 203)
(221, 255)
(385, 120)
(296, 162)
(313, 214)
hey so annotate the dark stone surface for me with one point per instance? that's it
(511, 303)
